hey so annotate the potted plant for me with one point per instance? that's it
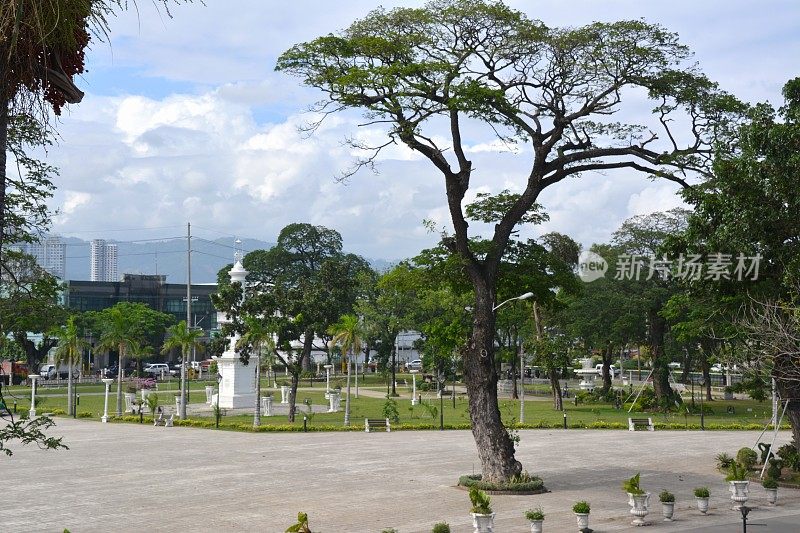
(771, 486)
(441, 527)
(581, 510)
(535, 517)
(482, 515)
(667, 500)
(638, 499)
(701, 495)
(739, 485)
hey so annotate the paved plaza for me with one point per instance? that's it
(139, 478)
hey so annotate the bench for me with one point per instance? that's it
(634, 423)
(166, 422)
(375, 423)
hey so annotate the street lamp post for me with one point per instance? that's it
(328, 380)
(702, 412)
(521, 357)
(104, 418)
(216, 411)
(441, 400)
(414, 387)
(32, 411)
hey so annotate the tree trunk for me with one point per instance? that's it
(184, 384)
(293, 390)
(347, 398)
(70, 406)
(791, 389)
(707, 378)
(257, 412)
(308, 344)
(514, 394)
(394, 370)
(3, 162)
(555, 386)
(661, 386)
(607, 354)
(119, 382)
(495, 449)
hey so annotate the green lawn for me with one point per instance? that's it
(538, 413)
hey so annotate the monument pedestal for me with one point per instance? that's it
(237, 386)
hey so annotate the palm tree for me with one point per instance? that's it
(117, 335)
(69, 349)
(185, 338)
(347, 334)
(259, 336)
(140, 351)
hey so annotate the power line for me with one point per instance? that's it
(128, 255)
(220, 244)
(133, 241)
(213, 255)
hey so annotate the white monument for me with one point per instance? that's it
(237, 386)
(587, 373)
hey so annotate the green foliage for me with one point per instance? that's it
(737, 472)
(301, 526)
(29, 432)
(701, 492)
(213, 369)
(85, 414)
(152, 402)
(390, 410)
(747, 457)
(666, 496)
(774, 468)
(534, 514)
(441, 527)
(581, 507)
(770, 483)
(481, 502)
(524, 482)
(724, 461)
(790, 456)
(631, 486)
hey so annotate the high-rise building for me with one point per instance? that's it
(50, 254)
(103, 261)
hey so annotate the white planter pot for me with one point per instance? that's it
(483, 523)
(639, 507)
(536, 526)
(667, 510)
(583, 520)
(739, 492)
(702, 505)
(772, 496)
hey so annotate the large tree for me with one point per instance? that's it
(426, 72)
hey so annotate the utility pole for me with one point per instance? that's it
(182, 414)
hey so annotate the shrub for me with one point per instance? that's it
(534, 514)
(424, 386)
(481, 502)
(666, 496)
(774, 468)
(524, 483)
(770, 483)
(702, 492)
(581, 508)
(152, 402)
(390, 410)
(441, 527)
(85, 414)
(301, 526)
(724, 461)
(737, 472)
(790, 456)
(631, 486)
(58, 412)
(747, 457)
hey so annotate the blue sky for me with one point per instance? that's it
(185, 119)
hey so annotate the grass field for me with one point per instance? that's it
(733, 414)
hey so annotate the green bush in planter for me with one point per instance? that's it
(631, 486)
(534, 514)
(747, 457)
(441, 527)
(702, 492)
(481, 502)
(737, 472)
(581, 508)
(724, 461)
(770, 483)
(666, 496)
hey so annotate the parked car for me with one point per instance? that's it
(157, 369)
(47, 371)
(416, 364)
(611, 368)
(206, 364)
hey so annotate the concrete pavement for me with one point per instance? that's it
(137, 478)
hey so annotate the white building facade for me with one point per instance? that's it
(50, 254)
(104, 261)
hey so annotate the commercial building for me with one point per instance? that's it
(50, 254)
(104, 261)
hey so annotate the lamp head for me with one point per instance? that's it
(525, 296)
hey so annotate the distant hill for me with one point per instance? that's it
(169, 257)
